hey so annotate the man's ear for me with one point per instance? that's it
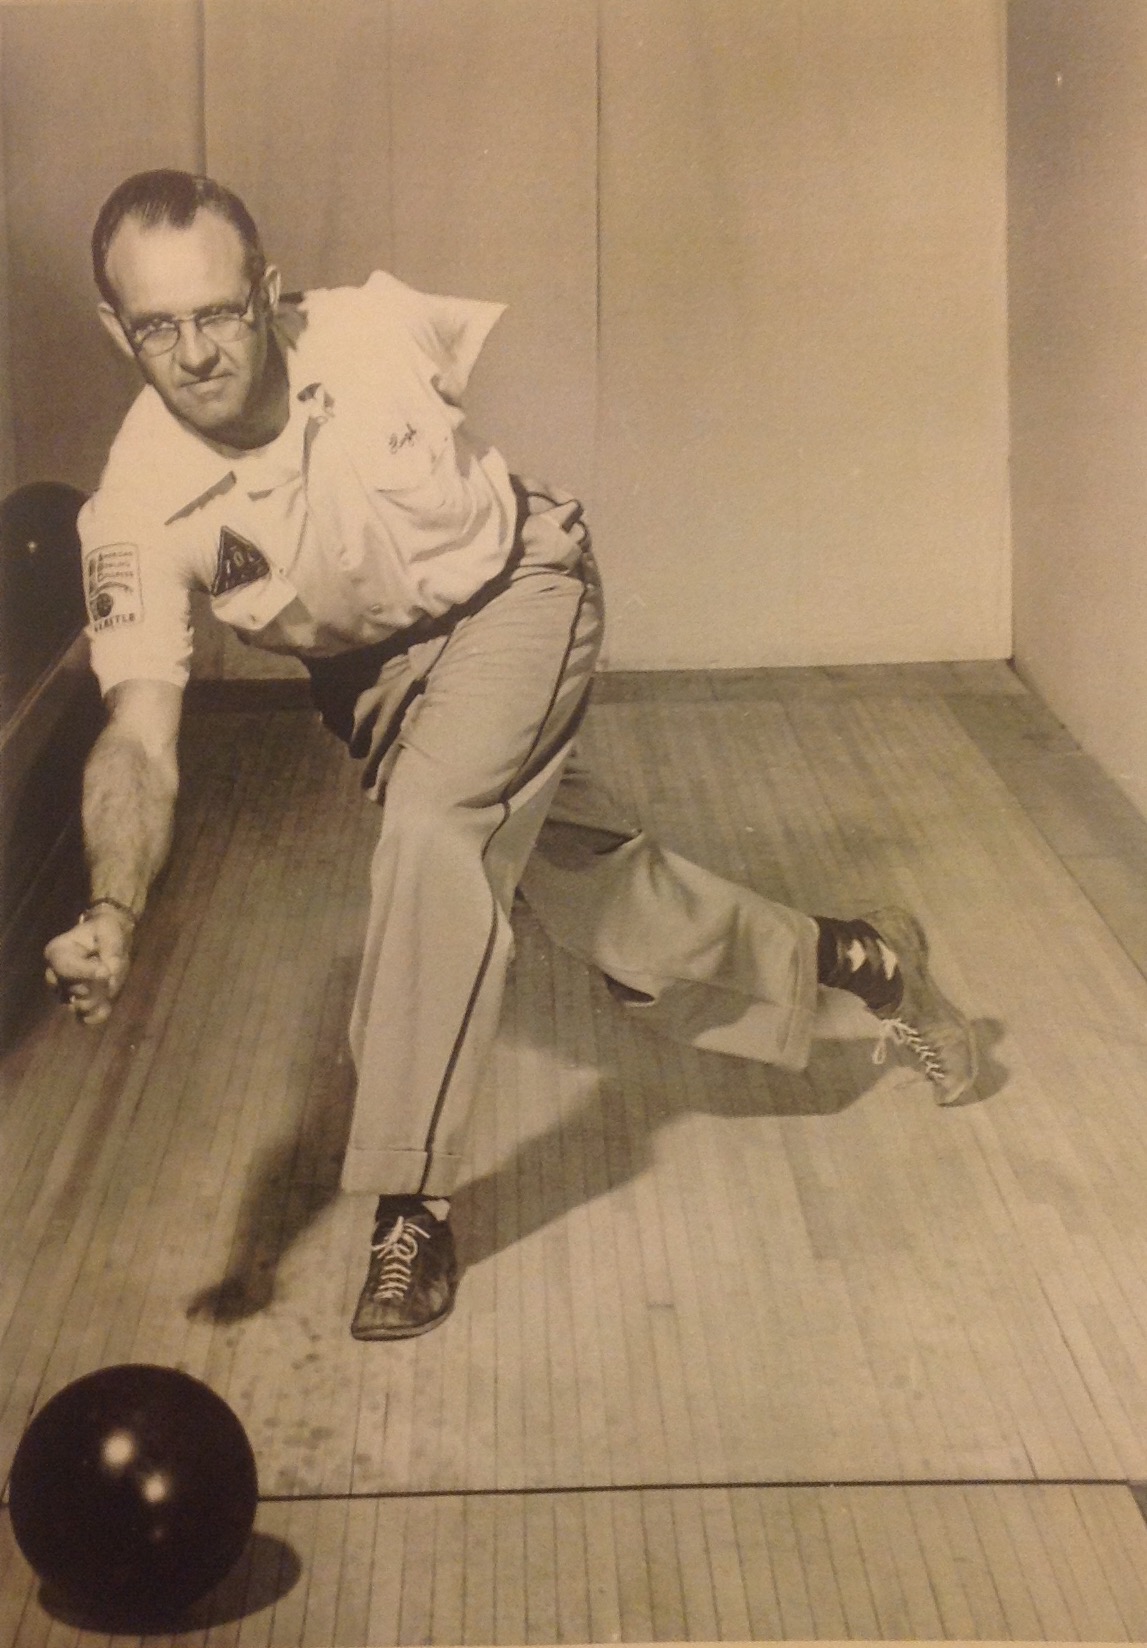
(111, 325)
(272, 284)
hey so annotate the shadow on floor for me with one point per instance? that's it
(289, 1185)
(608, 1140)
(267, 1572)
(605, 1143)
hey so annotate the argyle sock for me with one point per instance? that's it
(851, 955)
(391, 1207)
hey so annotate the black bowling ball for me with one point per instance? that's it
(133, 1492)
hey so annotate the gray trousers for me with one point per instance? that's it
(467, 730)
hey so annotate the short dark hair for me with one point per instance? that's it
(175, 198)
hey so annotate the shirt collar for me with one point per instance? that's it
(185, 469)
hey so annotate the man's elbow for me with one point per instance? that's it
(146, 715)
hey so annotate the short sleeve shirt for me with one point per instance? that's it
(373, 509)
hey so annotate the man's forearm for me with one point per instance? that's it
(128, 814)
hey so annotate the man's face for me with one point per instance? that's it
(162, 272)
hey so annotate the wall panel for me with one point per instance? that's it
(1078, 242)
(495, 109)
(297, 120)
(91, 90)
(803, 330)
(701, 269)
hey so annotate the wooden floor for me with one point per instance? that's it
(737, 1353)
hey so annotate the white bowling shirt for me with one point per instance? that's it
(374, 507)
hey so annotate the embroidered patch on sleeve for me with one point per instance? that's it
(112, 587)
(240, 562)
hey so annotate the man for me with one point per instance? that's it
(305, 461)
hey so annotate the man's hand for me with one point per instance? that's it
(88, 964)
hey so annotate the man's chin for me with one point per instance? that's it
(209, 409)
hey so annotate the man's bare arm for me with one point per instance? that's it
(130, 785)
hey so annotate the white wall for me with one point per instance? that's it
(803, 413)
(1078, 253)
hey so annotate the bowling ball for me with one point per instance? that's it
(133, 1491)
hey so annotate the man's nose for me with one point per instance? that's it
(194, 350)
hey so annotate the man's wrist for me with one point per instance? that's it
(105, 901)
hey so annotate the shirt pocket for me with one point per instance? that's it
(417, 486)
(251, 607)
(404, 456)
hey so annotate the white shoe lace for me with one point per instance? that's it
(902, 1034)
(398, 1251)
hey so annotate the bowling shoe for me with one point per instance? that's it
(923, 1022)
(412, 1275)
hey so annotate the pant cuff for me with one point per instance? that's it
(400, 1172)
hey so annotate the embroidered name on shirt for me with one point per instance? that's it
(112, 587)
(402, 438)
(240, 562)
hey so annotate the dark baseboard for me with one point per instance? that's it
(686, 686)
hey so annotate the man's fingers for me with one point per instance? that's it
(86, 967)
(81, 970)
(66, 989)
(90, 1006)
(95, 1013)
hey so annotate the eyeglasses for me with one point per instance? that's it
(224, 323)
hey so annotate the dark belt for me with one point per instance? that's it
(338, 681)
